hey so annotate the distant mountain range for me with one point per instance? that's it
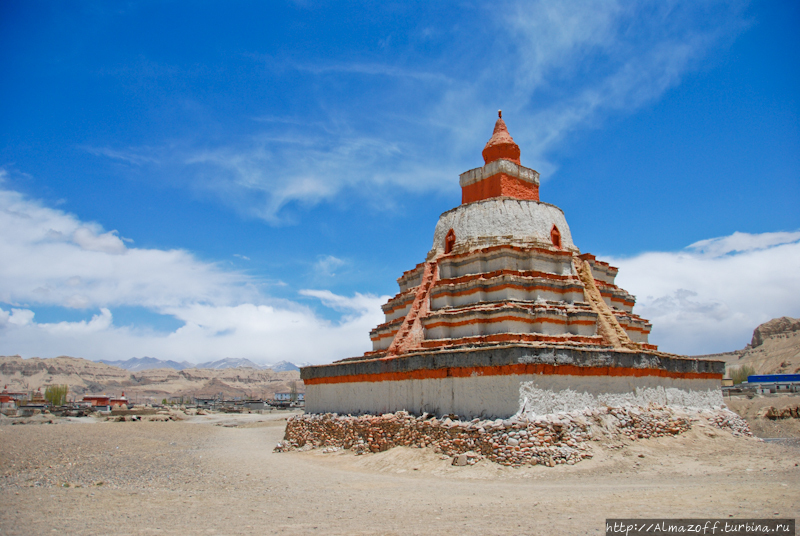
(136, 364)
(283, 366)
(228, 362)
(143, 386)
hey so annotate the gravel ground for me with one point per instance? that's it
(218, 475)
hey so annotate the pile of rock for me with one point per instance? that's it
(728, 420)
(787, 412)
(550, 440)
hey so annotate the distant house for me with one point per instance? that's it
(98, 401)
(117, 402)
(16, 397)
(38, 398)
(774, 383)
(287, 397)
(7, 402)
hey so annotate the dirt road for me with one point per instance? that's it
(218, 475)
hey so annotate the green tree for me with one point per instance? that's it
(56, 394)
(740, 374)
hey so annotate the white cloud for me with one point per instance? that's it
(261, 333)
(97, 324)
(709, 297)
(91, 240)
(53, 258)
(706, 298)
(360, 303)
(20, 317)
(741, 242)
(57, 260)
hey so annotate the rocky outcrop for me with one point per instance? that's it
(777, 326)
(775, 349)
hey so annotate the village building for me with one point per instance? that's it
(37, 399)
(506, 315)
(14, 397)
(119, 402)
(100, 402)
(7, 401)
(289, 397)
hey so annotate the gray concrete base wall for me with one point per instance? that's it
(491, 391)
(505, 396)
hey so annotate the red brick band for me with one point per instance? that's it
(499, 185)
(511, 370)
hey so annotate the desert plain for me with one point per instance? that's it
(218, 474)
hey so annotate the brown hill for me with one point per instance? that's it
(775, 349)
(90, 377)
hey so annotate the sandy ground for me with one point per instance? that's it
(749, 408)
(218, 475)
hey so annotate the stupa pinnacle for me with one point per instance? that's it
(502, 175)
(501, 145)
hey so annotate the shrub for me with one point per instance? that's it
(740, 374)
(56, 394)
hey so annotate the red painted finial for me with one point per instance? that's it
(501, 145)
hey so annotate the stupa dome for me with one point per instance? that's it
(502, 221)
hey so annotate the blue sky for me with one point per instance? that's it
(198, 180)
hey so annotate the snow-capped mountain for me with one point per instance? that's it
(136, 364)
(229, 362)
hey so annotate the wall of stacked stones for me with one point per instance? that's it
(561, 439)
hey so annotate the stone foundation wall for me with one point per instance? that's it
(557, 439)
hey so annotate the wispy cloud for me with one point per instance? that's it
(373, 69)
(555, 67)
(138, 157)
(327, 264)
(743, 242)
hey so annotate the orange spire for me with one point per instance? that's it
(501, 145)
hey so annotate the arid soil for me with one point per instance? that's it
(750, 409)
(217, 474)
